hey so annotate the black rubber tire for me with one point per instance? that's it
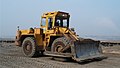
(32, 52)
(62, 41)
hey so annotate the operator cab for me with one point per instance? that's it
(62, 20)
(55, 19)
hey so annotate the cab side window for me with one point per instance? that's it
(50, 21)
(43, 22)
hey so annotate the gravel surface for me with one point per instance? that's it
(11, 57)
(112, 49)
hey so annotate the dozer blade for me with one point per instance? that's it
(86, 49)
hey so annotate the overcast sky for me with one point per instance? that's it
(88, 17)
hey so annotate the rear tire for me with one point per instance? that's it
(29, 47)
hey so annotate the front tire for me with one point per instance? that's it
(59, 44)
(29, 47)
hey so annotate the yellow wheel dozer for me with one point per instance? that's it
(55, 38)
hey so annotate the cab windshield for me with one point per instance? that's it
(62, 22)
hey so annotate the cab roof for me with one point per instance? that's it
(55, 13)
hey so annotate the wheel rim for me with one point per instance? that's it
(28, 47)
(58, 48)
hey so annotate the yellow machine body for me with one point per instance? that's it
(42, 35)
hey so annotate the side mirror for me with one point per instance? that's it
(18, 28)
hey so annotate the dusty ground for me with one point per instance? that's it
(12, 57)
(112, 49)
